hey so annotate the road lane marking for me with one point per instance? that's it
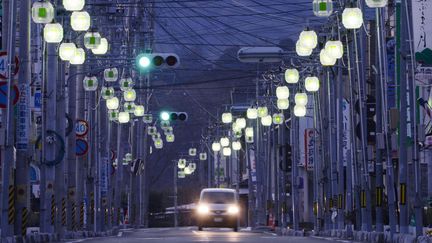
(120, 234)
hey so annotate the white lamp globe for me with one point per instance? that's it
(102, 48)
(192, 152)
(203, 156)
(303, 51)
(352, 18)
(278, 118)
(42, 12)
(113, 103)
(282, 92)
(266, 121)
(226, 151)
(308, 39)
(53, 33)
(129, 95)
(129, 107)
(322, 8)
(216, 147)
(107, 93)
(139, 110)
(262, 111)
(300, 110)
(326, 59)
(181, 164)
(126, 84)
(249, 132)
(235, 127)
(283, 104)
(227, 117)
(301, 99)
(80, 21)
(67, 51)
(73, 5)
(92, 39)
(252, 113)
(312, 84)
(113, 115)
(225, 142)
(158, 142)
(334, 49)
(376, 3)
(123, 117)
(292, 76)
(241, 123)
(236, 146)
(90, 83)
(111, 74)
(79, 57)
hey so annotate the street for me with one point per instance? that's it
(191, 234)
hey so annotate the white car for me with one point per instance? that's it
(218, 208)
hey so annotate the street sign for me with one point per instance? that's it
(309, 140)
(82, 147)
(38, 100)
(3, 65)
(23, 123)
(81, 128)
(3, 94)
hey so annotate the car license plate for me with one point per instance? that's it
(218, 220)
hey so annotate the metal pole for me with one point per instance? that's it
(175, 195)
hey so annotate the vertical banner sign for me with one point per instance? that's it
(346, 135)
(391, 73)
(422, 24)
(104, 176)
(309, 140)
(23, 118)
(252, 165)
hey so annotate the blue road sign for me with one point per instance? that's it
(3, 94)
(82, 147)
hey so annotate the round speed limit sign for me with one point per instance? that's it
(81, 128)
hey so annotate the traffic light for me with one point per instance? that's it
(157, 60)
(173, 116)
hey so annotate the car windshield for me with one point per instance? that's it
(218, 197)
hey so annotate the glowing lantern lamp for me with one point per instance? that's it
(299, 110)
(139, 110)
(90, 83)
(107, 93)
(92, 39)
(236, 146)
(123, 117)
(188, 171)
(292, 76)
(42, 12)
(283, 104)
(266, 121)
(308, 39)
(302, 51)
(376, 3)
(241, 123)
(226, 151)
(262, 111)
(326, 59)
(80, 21)
(73, 5)
(322, 8)
(158, 143)
(224, 141)
(111, 74)
(113, 115)
(192, 152)
(282, 92)
(216, 147)
(53, 33)
(129, 107)
(129, 95)
(278, 118)
(203, 156)
(126, 84)
(249, 132)
(301, 99)
(312, 84)
(181, 164)
(67, 51)
(227, 117)
(102, 48)
(79, 57)
(252, 113)
(352, 18)
(334, 49)
(170, 138)
(113, 103)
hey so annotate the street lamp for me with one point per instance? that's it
(113, 103)
(236, 146)
(326, 59)
(352, 18)
(312, 84)
(252, 113)
(216, 147)
(90, 83)
(192, 152)
(170, 138)
(113, 115)
(129, 95)
(107, 92)
(283, 104)
(73, 5)
(181, 164)
(241, 123)
(334, 49)
(301, 99)
(266, 121)
(322, 8)
(227, 117)
(79, 57)
(80, 21)
(126, 84)
(376, 3)
(123, 117)
(308, 39)
(67, 51)
(299, 110)
(129, 107)
(42, 12)
(111, 74)
(282, 92)
(92, 39)
(53, 33)
(139, 110)
(203, 156)
(262, 111)
(102, 48)
(302, 51)
(278, 118)
(224, 141)
(226, 151)
(292, 75)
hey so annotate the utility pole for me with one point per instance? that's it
(175, 194)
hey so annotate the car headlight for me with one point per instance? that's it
(203, 209)
(233, 209)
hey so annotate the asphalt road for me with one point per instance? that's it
(191, 234)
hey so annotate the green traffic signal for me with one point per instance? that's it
(165, 116)
(143, 61)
